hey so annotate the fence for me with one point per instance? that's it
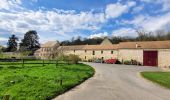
(23, 62)
(31, 61)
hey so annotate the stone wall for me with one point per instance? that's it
(46, 52)
(164, 58)
(88, 54)
(128, 54)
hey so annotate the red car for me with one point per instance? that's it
(110, 61)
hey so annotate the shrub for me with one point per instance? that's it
(69, 58)
(117, 61)
(73, 58)
(132, 62)
(63, 58)
(127, 62)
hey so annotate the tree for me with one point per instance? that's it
(12, 44)
(30, 41)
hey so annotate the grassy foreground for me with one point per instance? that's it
(39, 83)
(162, 78)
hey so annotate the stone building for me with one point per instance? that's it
(149, 53)
(47, 50)
(106, 50)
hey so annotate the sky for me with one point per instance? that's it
(63, 19)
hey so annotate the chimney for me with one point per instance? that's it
(136, 45)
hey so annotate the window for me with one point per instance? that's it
(74, 51)
(102, 58)
(111, 52)
(85, 57)
(85, 51)
(93, 52)
(101, 52)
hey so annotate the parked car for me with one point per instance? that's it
(98, 61)
(110, 61)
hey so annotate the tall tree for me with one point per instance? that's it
(30, 41)
(12, 44)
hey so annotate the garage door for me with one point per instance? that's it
(150, 58)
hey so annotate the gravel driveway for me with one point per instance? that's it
(117, 82)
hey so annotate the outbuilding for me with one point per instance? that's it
(148, 53)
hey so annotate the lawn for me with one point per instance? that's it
(162, 78)
(37, 82)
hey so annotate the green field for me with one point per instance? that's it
(162, 78)
(37, 82)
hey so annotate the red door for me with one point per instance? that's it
(150, 58)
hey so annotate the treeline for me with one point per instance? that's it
(29, 43)
(142, 36)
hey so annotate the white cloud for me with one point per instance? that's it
(10, 4)
(138, 9)
(3, 39)
(117, 9)
(57, 21)
(156, 23)
(98, 35)
(124, 32)
(165, 3)
(150, 23)
(17, 20)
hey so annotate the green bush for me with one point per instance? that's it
(73, 58)
(69, 58)
(127, 62)
(63, 58)
(118, 62)
(132, 62)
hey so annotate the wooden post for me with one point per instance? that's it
(67, 62)
(6, 97)
(43, 62)
(61, 82)
(23, 62)
(56, 63)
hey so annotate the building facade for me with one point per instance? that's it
(149, 53)
(47, 50)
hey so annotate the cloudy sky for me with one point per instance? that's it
(63, 19)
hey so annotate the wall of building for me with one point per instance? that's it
(88, 54)
(128, 54)
(46, 52)
(164, 58)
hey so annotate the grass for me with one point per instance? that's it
(37, 82)
(162, 78)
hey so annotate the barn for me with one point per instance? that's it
(148, 53)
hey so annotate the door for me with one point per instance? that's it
(150, 58)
